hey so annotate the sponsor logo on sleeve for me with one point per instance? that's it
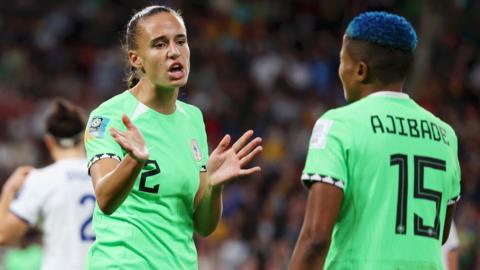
(320, 133)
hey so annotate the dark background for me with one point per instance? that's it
(266, 65)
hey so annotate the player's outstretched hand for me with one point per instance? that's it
(131, 140)
(226, 163)
(18, 177)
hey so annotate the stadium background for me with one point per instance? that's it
(266, 65)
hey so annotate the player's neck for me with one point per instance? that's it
(159, 99)
(368, 89)
(67, 153)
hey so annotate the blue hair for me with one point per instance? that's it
(384, 29)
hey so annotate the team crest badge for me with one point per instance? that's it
(197, 153)
(97, 127)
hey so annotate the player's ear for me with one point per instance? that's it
(362, 72)
(134, 59)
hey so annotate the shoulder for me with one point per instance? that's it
(441, 123)
(113, 105)
(42, 177)
(189, 110)
(343, 113)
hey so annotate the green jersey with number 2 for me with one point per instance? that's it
(153, 227)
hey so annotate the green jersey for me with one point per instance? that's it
(153, 228)
(398, 168)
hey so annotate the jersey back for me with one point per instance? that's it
(59, 199)
(398, 167)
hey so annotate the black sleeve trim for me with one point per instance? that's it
(309, 178)
(101, 156)
(203, 168)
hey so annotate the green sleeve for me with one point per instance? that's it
(99, 144)
(326, 158)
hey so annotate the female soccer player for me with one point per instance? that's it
(58, 198)
(383, 172)
(148, 157)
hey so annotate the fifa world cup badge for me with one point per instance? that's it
(97, 127)
(197, 154)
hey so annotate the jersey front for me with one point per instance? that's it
(398, 168)
(59, 198)
(153, 227)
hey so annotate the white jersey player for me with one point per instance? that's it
(58, 198)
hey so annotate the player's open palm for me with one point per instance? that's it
(131, 140)
(226, 163)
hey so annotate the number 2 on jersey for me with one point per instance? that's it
(143, 177)
(420, 192)
(83, 229)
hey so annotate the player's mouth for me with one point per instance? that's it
(176, 71)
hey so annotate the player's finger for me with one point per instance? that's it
(248, 148)
(250, 171)
(128, 123)
(242, 141)
(250, 155)
(223, 144)
(114, 131)
(122, 141)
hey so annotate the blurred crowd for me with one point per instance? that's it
(266, 65)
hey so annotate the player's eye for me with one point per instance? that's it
(181, 42)
(160, 45)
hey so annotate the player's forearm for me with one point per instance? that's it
(112, 189)
(6, 198)
(209, 211)
(309, 253)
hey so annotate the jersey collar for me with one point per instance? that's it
(390, 94)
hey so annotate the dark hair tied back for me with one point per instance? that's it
(65, 123)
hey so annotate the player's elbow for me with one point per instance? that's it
(106, 206)
(316, 251)
(204, 231)
(318, 241)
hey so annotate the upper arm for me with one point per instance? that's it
(101, 148)
(201, 189)
(26, 208)
(101, 168)
(448, 222)
(327, 153)
(202, 159)
(323, 206)
(12, 228)
(325, 174)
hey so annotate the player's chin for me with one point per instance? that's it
(178, 83)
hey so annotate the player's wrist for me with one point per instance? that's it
(212, 184)
(137, 160)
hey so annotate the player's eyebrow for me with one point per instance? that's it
(164, 38)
